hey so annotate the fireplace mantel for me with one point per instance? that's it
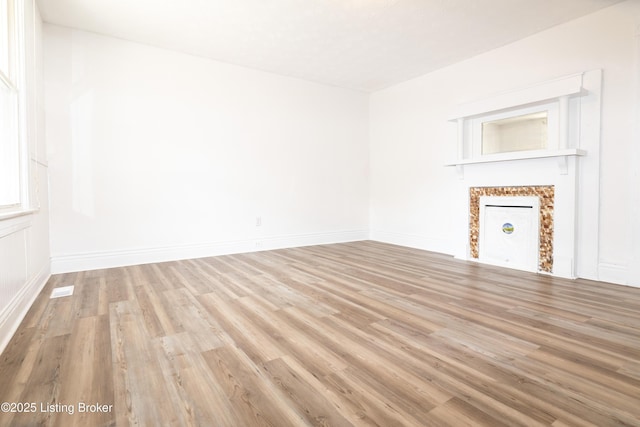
(561, 155)
(560, 102)
(565, 174)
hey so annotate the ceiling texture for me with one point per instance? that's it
(364, 45)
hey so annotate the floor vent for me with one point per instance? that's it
(64, 291)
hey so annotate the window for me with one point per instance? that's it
(11, 86)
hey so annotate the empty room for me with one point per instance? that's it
(320, 213)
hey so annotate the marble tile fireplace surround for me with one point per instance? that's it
(545, 194)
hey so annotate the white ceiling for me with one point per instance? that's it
(359, 44)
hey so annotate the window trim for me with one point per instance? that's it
(16, 82)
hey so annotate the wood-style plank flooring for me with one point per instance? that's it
(351, 334)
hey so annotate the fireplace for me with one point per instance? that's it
(533, 202)
(540, 141)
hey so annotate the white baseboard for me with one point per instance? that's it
(108, 259)
(413, 241)
(614, 273)
(13, 314)
(564, 267)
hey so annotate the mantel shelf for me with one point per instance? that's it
(520, 155)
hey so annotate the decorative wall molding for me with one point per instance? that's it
(15, 223)
(614, 273)
(552, 89)
(14, 312)
(108, 259)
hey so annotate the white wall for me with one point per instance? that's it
(159, 155)
(414, 198)
(24, 240)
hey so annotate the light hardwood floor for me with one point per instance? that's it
(361, 333)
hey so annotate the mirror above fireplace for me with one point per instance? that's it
(539, 121)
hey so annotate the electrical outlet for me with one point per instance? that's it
(258, 221)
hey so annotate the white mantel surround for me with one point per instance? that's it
(572, 169)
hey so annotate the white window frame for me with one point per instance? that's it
(14, 79)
